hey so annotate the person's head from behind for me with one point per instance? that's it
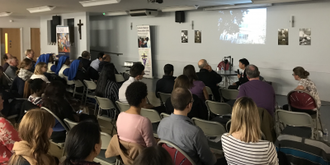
(82, 146)
(67, 61)
(108, 72)
(106, 58)
(300, 73)
(136, 94)
(137, 71)
(41, 68)
(100, 56)
(36, 128)
(168, 69)
(7, 57)
(243, 63)
(245, 119)
(55, 91)
(13, 62)
(85, 55)
(182, 81)
(252, 72)
(29, 53)
(190, 72)
(26, 64)
(202, 64)
(154, 155)
(37, 86)
(182, 100)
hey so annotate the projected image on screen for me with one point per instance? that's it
(246, 26)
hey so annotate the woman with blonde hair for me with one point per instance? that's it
(243, 144)
(34, 130)
(39, 72)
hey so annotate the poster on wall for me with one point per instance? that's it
(63, 40)
(283, 36)
(305, 36)
(184, 36)
(198, 36)
(144, 49)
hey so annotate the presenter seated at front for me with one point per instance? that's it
(305, 84)
(260, 92)
(242, 78)
(243, 144)
(181, 131)
(209, 77)
(131, 126)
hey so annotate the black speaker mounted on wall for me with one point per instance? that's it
(180, 16)
(56, 20)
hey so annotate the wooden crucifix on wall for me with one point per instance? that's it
(79, 27)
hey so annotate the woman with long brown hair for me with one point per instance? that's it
(196, 87)
(245, 136)
(39, 72)
(34, 130)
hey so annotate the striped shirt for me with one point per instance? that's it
(239, 152)
(111, 91)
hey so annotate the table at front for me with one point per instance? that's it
(226, 75)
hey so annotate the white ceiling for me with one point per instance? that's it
(18, 7)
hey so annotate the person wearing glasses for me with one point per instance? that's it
(180, 130)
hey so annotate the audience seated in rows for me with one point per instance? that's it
(209, 77)
(63, 64)
(242, 78)
(85, 60)
(198, 109)
(243, 144)
(76, 71)
(106, 85)
(197, 87)
(12, 68)
(80, 147)
(39, 72)
(260, 92)
(155, 155)
(180, 130)
(8, 136)
(34, 130)
(6, 57)
(165, 84)
(29, 54)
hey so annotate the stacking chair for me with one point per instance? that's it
(209, 92)
(119, 78)
(91, 86)
(228, 94)
(179, 156)
(78, 84)
(70, 124)
(153, 116)
(122, 106)
(218, 108)
(301, 101)
(60, 145)
(106, 104)
(163, 97)
(295, 119)
(211, 129)
(106, 138)
(163, 115)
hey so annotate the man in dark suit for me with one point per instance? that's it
(242, 78)
(165, 85)
(209, 77)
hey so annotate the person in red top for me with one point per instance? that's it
(8, 136)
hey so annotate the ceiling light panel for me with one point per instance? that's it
(98, 2)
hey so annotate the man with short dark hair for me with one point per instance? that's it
(260, 92)
(136, 74)
(181, 131)
(95, 63)
(85, 59)
(209, 77)
(165, 85)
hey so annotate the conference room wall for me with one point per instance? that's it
(275, 62)
(80, 44)
(25, 24)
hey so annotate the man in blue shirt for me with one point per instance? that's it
(181, 131)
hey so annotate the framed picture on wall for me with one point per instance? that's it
(283, 36)
(198, 36)
(305, 36)
(184, 36)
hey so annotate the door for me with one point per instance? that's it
(11, 42)
(35, 42)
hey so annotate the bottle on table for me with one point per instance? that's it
(222, 69)
(325, 134)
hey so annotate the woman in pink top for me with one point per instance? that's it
(131, 126)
